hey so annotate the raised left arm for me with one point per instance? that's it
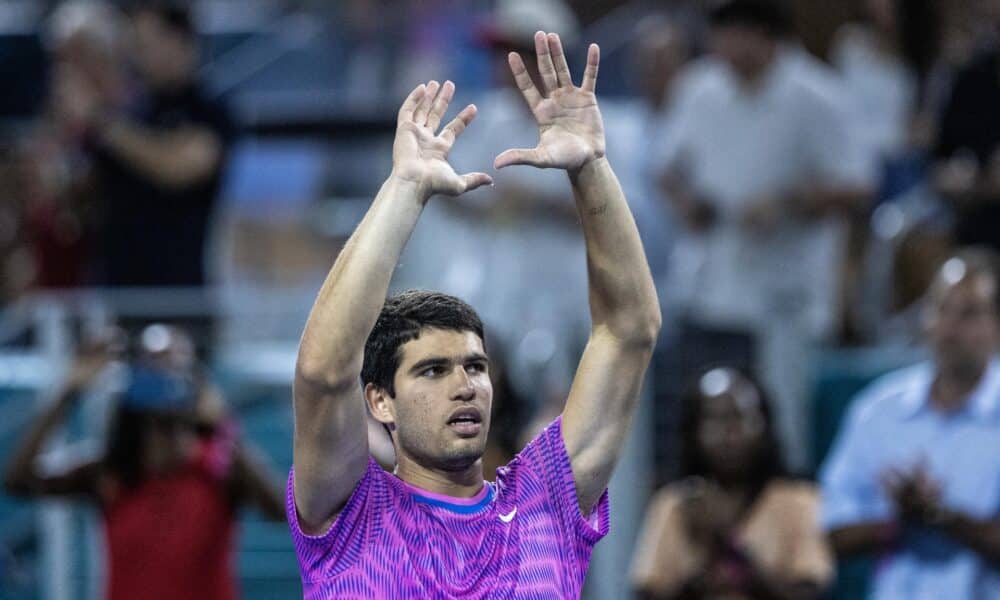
(624, 309)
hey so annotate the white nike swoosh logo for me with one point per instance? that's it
(507, 518)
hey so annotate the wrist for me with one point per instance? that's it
(409, 186)
(589, 167)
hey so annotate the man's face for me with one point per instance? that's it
(163, 56)
(660, 55)
(962, 322)
(441, 411)
(747, 50)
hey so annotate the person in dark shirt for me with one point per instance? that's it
(967, 173)
(160, 163)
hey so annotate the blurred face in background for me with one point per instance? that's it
(501, 68)
(660, 54)
(164, 56)
(746, 49)
(90, 58)
(962, 320)
(882, 14)
(731, 427)
(170, 441)
(169, 348)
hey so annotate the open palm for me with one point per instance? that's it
(571, 132)
(419, 155)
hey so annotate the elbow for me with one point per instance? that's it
(648, 334)
(642, 331)
(641, 334)
(179, 176)
(330, 378)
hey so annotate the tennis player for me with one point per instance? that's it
(435, 528)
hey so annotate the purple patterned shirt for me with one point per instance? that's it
(521, 537)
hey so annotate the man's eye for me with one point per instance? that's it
(433, 371)
(476, 367)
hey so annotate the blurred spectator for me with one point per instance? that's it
(886, 61)
(968, 150)
(172, 476)
(761, 169)
(661, 48)
(160, 163)
(914, 475)
(61, 210)
(735, 527)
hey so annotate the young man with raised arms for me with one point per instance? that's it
(435, 528)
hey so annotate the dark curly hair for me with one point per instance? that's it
(401, 320)
(770, 16)
(768, 463)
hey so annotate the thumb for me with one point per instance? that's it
(518, 156)
(474, 180)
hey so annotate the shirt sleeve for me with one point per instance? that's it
(547, 458)
(850, 491)
(327, 554)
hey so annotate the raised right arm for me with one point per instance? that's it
(330, 442)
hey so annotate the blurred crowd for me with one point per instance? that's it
(789, 201)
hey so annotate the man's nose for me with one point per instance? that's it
(464, 390)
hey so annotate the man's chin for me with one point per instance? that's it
(463, 454)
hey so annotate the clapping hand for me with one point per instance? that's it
(915, 494)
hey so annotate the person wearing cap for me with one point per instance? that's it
(736, 525)
(168, 485)
(914, 475)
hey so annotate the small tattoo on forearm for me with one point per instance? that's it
(598, 210)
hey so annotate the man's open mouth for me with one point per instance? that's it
(466, 422)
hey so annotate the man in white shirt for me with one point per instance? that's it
(761, 168)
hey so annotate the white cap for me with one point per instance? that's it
(96, 20)
(516, 21)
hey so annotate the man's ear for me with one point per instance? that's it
(380, 405)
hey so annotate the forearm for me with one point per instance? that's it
(332, 346)
(622, 294)
(19, 474)
(979, 535)
(822, 201)
(176, 159)
(862, 537)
